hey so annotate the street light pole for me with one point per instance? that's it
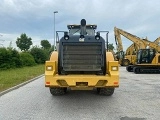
(54, 27)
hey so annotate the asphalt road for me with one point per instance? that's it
(137, 98)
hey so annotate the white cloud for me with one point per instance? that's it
(35, 17)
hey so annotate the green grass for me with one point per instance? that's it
(12, 77)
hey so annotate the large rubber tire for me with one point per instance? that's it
(56, 91)
(125, 62)
(105, 91)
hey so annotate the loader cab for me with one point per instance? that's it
(145, 55)
(76, 29)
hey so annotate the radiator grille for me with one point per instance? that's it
(82, 57)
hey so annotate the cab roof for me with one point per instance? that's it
(78, 26)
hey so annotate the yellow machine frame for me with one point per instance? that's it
(81, 82)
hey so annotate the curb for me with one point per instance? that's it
(20, 85)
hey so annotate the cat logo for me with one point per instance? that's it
(81, 39)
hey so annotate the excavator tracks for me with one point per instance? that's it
(143, 69)
(129, 68)
(146, 70)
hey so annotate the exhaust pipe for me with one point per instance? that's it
(83, 27)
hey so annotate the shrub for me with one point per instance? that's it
(5, 57)
(9, 58)
(27, 59)
(39, 55)
(15, 58)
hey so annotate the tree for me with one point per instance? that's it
(52, 49)
(45, 44)
(24, 42)
(110, 47)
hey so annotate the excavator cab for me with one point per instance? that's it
(145, 55)
(120, 55)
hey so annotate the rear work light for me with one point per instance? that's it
(49, 68)
(114, 68)
(66, 37)
(97, 37)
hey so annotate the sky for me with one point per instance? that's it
(36, 18)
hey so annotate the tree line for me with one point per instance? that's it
(11, 58)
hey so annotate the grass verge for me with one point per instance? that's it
(13, 77)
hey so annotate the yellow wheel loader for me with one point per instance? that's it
(81, 62)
